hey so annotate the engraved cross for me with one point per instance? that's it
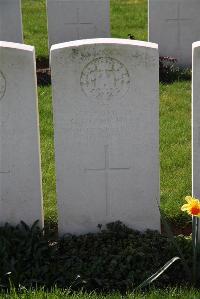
(4, 170)
(106, 169)
(78, 23)
(178, 22)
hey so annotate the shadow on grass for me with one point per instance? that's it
(175, 75)
(43, 71)
(51, 229)
(170, 72)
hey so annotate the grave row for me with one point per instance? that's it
(67, 20)
(173, 24)
(106, 124)
(106, 128)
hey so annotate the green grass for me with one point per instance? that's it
(47, 154)
(35, 25)
(175, 147)
(127, 16)
(65, 294)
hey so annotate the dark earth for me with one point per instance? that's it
(43, 71)
(178, 230)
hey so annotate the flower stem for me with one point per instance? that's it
(195, 229)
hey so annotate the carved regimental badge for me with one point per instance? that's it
(2, 85)
(104, 78)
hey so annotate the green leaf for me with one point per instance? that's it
(158, 273)
(195, 243)
(175, 243)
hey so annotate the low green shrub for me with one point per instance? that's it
(170, 72)
(116, 258)
(25, 256)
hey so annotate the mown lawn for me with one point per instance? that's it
(127, 17)
(65, 294)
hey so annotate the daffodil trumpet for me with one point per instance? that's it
(192, 207)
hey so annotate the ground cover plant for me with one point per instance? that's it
(115, 259)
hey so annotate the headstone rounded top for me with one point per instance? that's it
(10, 45)
(196, 44)
(93, 41)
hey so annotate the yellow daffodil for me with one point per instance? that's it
(192, 207)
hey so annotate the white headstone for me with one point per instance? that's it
(77, 19)
(106, 133)
(196, 120)
(174, 25)
(20, 177)
(11, 21)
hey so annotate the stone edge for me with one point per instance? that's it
(10, 45)
(111, 41)
(195, 45)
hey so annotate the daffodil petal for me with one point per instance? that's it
(188, 199)
(185, 207)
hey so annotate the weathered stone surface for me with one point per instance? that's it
(11, 21)
(20, 177)
(174, 25)
(77, 19)
(106, 104)
(196, 120)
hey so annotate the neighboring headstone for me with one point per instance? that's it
(77, 19)
(11, 21)
(174, 25)
(106, 106)
(20, 176)
(196, 120)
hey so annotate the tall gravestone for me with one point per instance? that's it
(77, 19)
(11, 21)
(196, 120)
(105, 94)
(174, 25)
(20, 175)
